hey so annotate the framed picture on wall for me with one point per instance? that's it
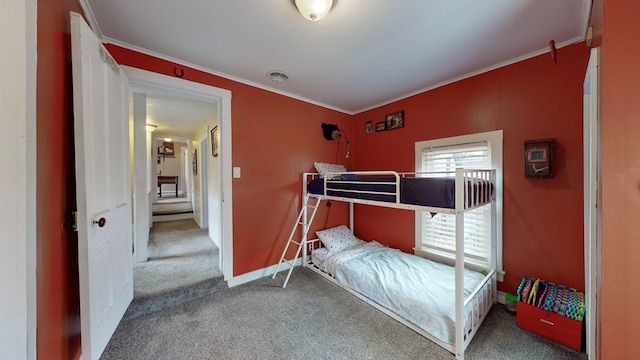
(395, 120)
(214, 141)
(538, 158)
(166, 148)
(368, 127)
(381, 126)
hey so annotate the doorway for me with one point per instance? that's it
(179, 253)
(171, 169)
(219, 181)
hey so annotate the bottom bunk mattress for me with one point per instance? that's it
(417, 289)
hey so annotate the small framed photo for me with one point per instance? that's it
(368, 127)
(395, 120)
(381, 126)
(214, 141)
(537, 155)
(166, 148)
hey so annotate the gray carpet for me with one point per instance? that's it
(310, 319)
(180, 255)
(182, 266)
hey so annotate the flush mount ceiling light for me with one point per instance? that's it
(277, 76)
(314, 10)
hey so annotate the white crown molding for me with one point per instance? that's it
(471, 74)
(108, 40)
(91, 18)
(94, 25)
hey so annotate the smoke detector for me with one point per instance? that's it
(278, 76)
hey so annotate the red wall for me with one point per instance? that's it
(532, 99)
(275, 138)
(58, 309)
(528, 100)
(620, 181)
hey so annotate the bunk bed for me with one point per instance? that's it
(450, 324)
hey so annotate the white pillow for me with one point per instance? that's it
(338, 238)
(324, 168)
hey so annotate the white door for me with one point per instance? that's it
(103, 188)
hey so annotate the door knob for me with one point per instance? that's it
(101, 222)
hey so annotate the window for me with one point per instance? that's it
(435, 235)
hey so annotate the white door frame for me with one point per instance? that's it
(203, 173)
(141, 177)
(148, 79)
(592, 197)
(186, 172)
(18, 145)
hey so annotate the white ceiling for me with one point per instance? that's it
(177, 115)
(365, 53)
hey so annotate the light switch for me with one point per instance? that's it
(236, 172)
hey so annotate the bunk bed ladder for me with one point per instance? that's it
(304, 223)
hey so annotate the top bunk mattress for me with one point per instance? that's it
(439, 192)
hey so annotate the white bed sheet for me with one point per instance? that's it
(415, 288)
(319, 257)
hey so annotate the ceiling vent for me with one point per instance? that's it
(278, 76)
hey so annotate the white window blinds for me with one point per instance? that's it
(438, 232)
(448, 158)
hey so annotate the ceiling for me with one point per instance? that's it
(177, 115)
(364, 54)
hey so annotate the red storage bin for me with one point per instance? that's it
(560, 329)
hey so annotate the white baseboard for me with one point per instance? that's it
(259, 274)
(197, 220)
(501, 297)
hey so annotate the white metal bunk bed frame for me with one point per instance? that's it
(469, 312)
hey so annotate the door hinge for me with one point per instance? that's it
(74, 221)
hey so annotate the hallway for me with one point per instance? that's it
(180, 255)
